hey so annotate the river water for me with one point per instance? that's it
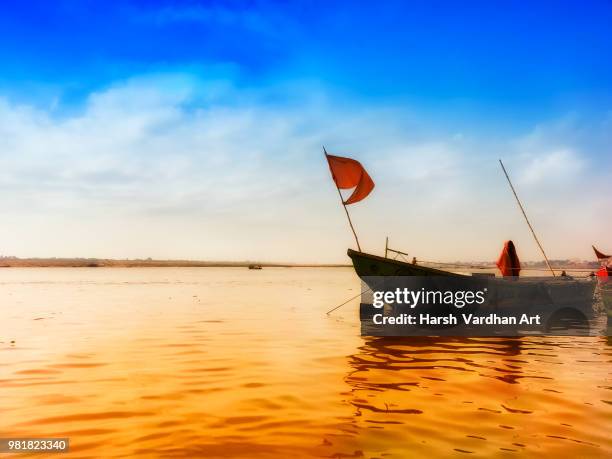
(230, 362)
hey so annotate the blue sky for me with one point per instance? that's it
(508, 55)
(202, 96)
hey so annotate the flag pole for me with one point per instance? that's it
(343, 204)
(526, 219)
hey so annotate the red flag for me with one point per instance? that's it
(348, 173)
(599, 255)
(508, 262)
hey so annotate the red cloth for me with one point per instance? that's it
(603, 272)
(348, 173)
(508, 261)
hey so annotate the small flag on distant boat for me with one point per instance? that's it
(349, 173)
(600, 255)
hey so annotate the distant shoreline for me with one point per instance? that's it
(14, 262)
(149, 263)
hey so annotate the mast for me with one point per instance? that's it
(526, 219)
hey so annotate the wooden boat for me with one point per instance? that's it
(385, 275)
(554, 298)
(366, 264)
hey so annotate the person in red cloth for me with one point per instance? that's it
(508, 261)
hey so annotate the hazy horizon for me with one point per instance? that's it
(282, 263)
(196, 132)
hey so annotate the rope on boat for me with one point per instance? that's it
(457, 265)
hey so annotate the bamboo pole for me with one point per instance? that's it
(526, 219)
(348, 301)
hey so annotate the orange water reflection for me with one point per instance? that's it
(486, 396)
(237, 363)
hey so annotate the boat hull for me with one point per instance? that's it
(366, 264)
(550, 297)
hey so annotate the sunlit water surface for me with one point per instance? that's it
(177, 362)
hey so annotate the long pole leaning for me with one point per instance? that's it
(526, 219)
(349, 300)
(343, 204)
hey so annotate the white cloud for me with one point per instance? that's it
(557, 165)
(174, 166)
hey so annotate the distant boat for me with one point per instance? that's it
(254, 266)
